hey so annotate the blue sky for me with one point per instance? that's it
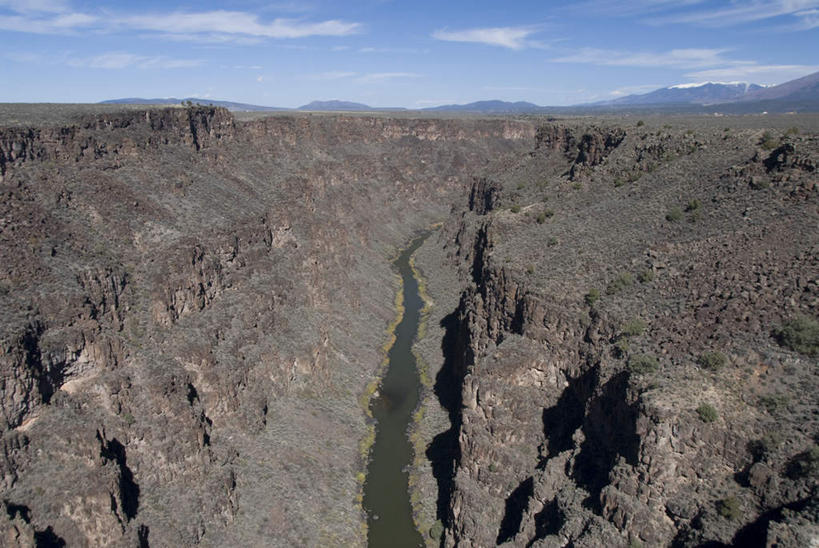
(414, 53)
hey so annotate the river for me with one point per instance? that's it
(386, 496)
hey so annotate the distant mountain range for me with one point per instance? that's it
(701, 94)
(342, 106)
(800, 95)
(491, 107)
(230, 105)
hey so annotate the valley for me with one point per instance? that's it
(618, 345)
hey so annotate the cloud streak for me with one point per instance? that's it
(122, 60)
(50, 17)
(506, 37)
(686, 58)
(737, 13)
(701, 64)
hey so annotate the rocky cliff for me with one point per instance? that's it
(192, 308)
(621, 368)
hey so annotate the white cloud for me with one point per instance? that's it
(703, 64)
(331, 75)
(121, 60)
(507, 37)
(27, 6)
(628, 90)
(759, 74)
(375, 77)
(677, 58)
(742, 12)
(59, 24)
(212, 26)
(236, 23)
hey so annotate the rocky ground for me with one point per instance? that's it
(633, 358)
(193, 307)
(619, 349)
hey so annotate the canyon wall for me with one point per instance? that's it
(617, 371)
(192, 309)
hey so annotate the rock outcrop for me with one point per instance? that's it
(193, 306)
(614, 373)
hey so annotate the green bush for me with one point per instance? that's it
(805, 464)
(801, 334)
(693, 205)
(633, 328)
(674, 214)
(712, 360)
(544, 215)
(436, 531)
(765, 446)
(645, 276)
(621, 347)
(707, 413)
(592, 297)
(640, 123)
(618, 284)
(552, 241)
(515, 209)
(729, 508)
(773, 402)
(642, 364)
(792, 131)
(768, 141)
(530, 269)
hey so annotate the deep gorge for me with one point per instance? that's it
(196, 304)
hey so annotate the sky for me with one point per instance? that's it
(396, 53)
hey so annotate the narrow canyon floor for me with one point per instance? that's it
(619, 344)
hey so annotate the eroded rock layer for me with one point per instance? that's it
(192, 308)
(622, 367)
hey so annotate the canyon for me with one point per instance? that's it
(618, 346)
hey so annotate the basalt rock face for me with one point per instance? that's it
(620, 381)
(192, 307)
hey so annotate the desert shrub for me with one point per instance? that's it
(763, 447)
(712, 360)
(674, 214)
(521, 186)
(693, 205)
(530, 269)
(640, 123)
(633, 328)
(591, 297)
(621, 347)
(800, 334)
(436, 530)
(729, 508)
(645, 276)
(545, 215)
(805, 464)
(707, 413)
(515, 209)
(552, 241)
(773, 402)
(642, 364)
(792, 131)
(768, 141)
(577, 186)
(622, 281)
(758, 183)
